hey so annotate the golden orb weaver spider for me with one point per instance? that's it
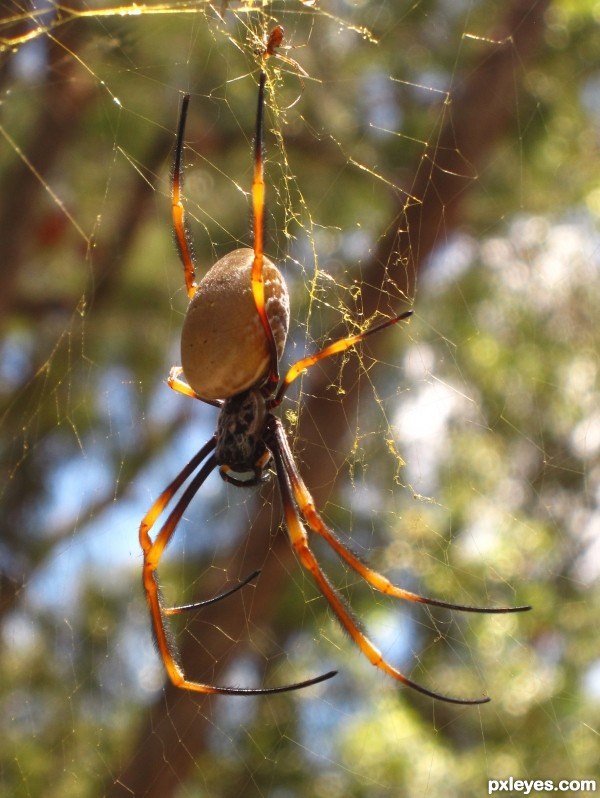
(243, 297)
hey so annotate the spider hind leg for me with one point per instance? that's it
(182, 234)
(258, 212)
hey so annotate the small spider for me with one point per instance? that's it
(271, 46)
(243, 298)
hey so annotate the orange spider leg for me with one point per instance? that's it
(308, 511)
(258, 210)
(299, 540)
(333, 349)
(177, 210)
(178, 385)
(165, 497)
(153, 551)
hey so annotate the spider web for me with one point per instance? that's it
(411, 163)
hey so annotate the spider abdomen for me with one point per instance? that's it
(224, 348)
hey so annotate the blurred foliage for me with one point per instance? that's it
(502, 356)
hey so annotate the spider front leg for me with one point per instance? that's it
(307, 508)
(297, 502)
(207, 602)
(299, 541)
(153, 551)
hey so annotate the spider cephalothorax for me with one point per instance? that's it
(240, 434)
(233, 335)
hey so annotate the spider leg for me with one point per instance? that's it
(153, 551)
(165, 497)
(178, 385)
(258, 211)
(333, 349)
(182, 236)
(299, 541)
(198, 604)
(306, 505)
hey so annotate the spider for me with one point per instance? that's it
(243, 297)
